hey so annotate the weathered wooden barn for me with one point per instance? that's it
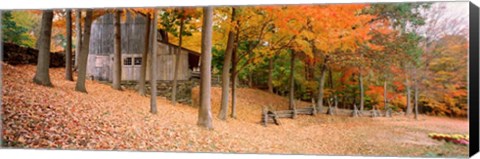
(100, 58)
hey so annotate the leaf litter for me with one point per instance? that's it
(105, 119)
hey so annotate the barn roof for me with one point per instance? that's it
(185, 49)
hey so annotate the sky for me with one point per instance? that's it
(453, 17)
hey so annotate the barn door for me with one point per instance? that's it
(127, 67)
(137, 63)
(131, 65)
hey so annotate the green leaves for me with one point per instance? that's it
(14, 33)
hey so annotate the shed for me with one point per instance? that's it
(100, 58)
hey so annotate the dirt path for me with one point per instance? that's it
(58, 117)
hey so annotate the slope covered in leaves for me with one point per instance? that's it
(104, 119)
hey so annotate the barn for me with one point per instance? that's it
(100, 58)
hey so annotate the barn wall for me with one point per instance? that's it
(166, 63)
(100, 60)
(99, 67)
(132, 35)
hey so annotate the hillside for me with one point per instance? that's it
(42, 117)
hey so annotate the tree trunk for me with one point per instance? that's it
(153, 65)
(362, 95)
(270, 75)
(143, 67)
(409, 92)
(291, 95)
(204, 113)
(416, 98)
(68, 51)
(78, 27)
(385, 99)
(330, 110)
(321, 85)
(177, 63)
(250, 78)
(82, 59)
(117, 49)
(234, 73)
(225, 71)
(42, 76)
(234, 97)
(335, 98)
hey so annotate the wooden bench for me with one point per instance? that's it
(269, 116)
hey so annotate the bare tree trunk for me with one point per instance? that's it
(416, 96)
(153, 65)
(409, 92)
(82, 59)
(270, 75)
(321, 85)
(291, 95)
(250, 79)
(362, 95)
(42, 76)
(330, 110)
(177, 62)
(388, 111)
(68, 50)
(335, 98)
(234, 75)
(234, 96)
(225, 71)
(78, 27)
(117, 49)
(204, 112)
(143, 67)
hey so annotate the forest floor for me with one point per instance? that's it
(105, 119)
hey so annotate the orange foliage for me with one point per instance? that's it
(347, 74)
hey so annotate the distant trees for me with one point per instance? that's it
(13, 32)
(388, 57)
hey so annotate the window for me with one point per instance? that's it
(127, 61)
(137, 61)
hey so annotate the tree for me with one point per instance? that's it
(170, 19)
(78, 31)
(177, 57)
(226, 69)
(13, 32)
(291, 93)
(68, 51)
(204, 112)
(42, 76)
(143, 67)
(248, 38)
(153, 69)
(83, 56)
(117, 49)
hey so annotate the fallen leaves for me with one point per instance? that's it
(106, 119)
